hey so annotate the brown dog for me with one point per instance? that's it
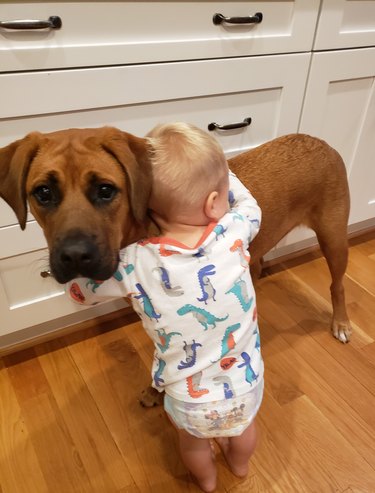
(89, 189)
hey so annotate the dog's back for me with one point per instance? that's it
(294, 178)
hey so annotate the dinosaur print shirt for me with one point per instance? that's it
(197, 304)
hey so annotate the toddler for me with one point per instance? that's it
(192, 289)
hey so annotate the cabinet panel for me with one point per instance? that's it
(340, 108)
(108, 33)
(267, 89)
(27, 299)
(346, 24)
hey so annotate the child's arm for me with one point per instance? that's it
(243, 202)
(89, 292)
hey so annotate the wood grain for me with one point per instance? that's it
(70, 419)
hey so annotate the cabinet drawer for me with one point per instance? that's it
(109, 33)
(14, 241)
(28, 299)
(340, 108)
(346, 24)
(269, 90)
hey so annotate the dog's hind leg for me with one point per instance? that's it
(332, 237)
(256, 269)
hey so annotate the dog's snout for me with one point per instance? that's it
(78, 255)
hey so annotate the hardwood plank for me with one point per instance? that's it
(19, 466)
(327, 356)
(114, 374)
(97, 450)
(58, 457)
(70, 420)
(289, 376)
(361, 269)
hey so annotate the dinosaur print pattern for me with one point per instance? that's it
(251, 376)
(191, 355)
(228, 343)
(239, 289)
(219, 230)
(194, 390)
(128, 268)
(165, 339)
(238, 246)
(208, 291)
(166, 284)
(76, 293)
(227, 386)
(197, 304)
(93, 285)
(158, 381)
(147, 305)
(204, 317)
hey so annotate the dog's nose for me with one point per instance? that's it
(78, 255)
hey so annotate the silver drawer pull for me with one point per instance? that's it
(53, 22)
(46, 273)
(254, 19)
(230, 126)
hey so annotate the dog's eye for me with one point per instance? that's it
(43, 194)
(106, 192)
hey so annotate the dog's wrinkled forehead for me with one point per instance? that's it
(72, 159)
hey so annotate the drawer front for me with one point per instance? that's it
(28, 299)
(108, 33)
(340, 108)
(346, 24)
(269, 90)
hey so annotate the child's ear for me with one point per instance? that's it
(210, 208)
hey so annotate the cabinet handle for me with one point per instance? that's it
(230, 126)
(46, 273)
(53, 22)
(253, 19)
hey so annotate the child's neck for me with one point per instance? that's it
(186, 234)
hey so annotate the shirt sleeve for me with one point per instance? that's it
(90, 292)
(242, 202)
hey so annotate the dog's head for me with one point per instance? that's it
(87, 188)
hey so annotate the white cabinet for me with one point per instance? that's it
(123, 32)
(135, 64)
(340, 107)
(345, 24)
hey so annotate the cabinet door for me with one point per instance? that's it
(27, 300)
(340, 108)
(121, 32)
(267, 89)
(346, 24)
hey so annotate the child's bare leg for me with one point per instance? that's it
(196, 454)
(238, 450)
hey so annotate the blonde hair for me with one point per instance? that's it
(187, 165)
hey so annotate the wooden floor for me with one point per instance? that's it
(70, 420)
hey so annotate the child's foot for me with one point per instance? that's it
(239, 470)
(207, 485)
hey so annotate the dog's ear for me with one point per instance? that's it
(133, 154)
(15, 160)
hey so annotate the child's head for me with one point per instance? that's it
(188, 165)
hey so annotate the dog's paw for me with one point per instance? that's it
(150, 397)
(341, 330)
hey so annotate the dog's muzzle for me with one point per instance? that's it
(78, 255)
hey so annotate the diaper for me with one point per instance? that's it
(224, 418)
